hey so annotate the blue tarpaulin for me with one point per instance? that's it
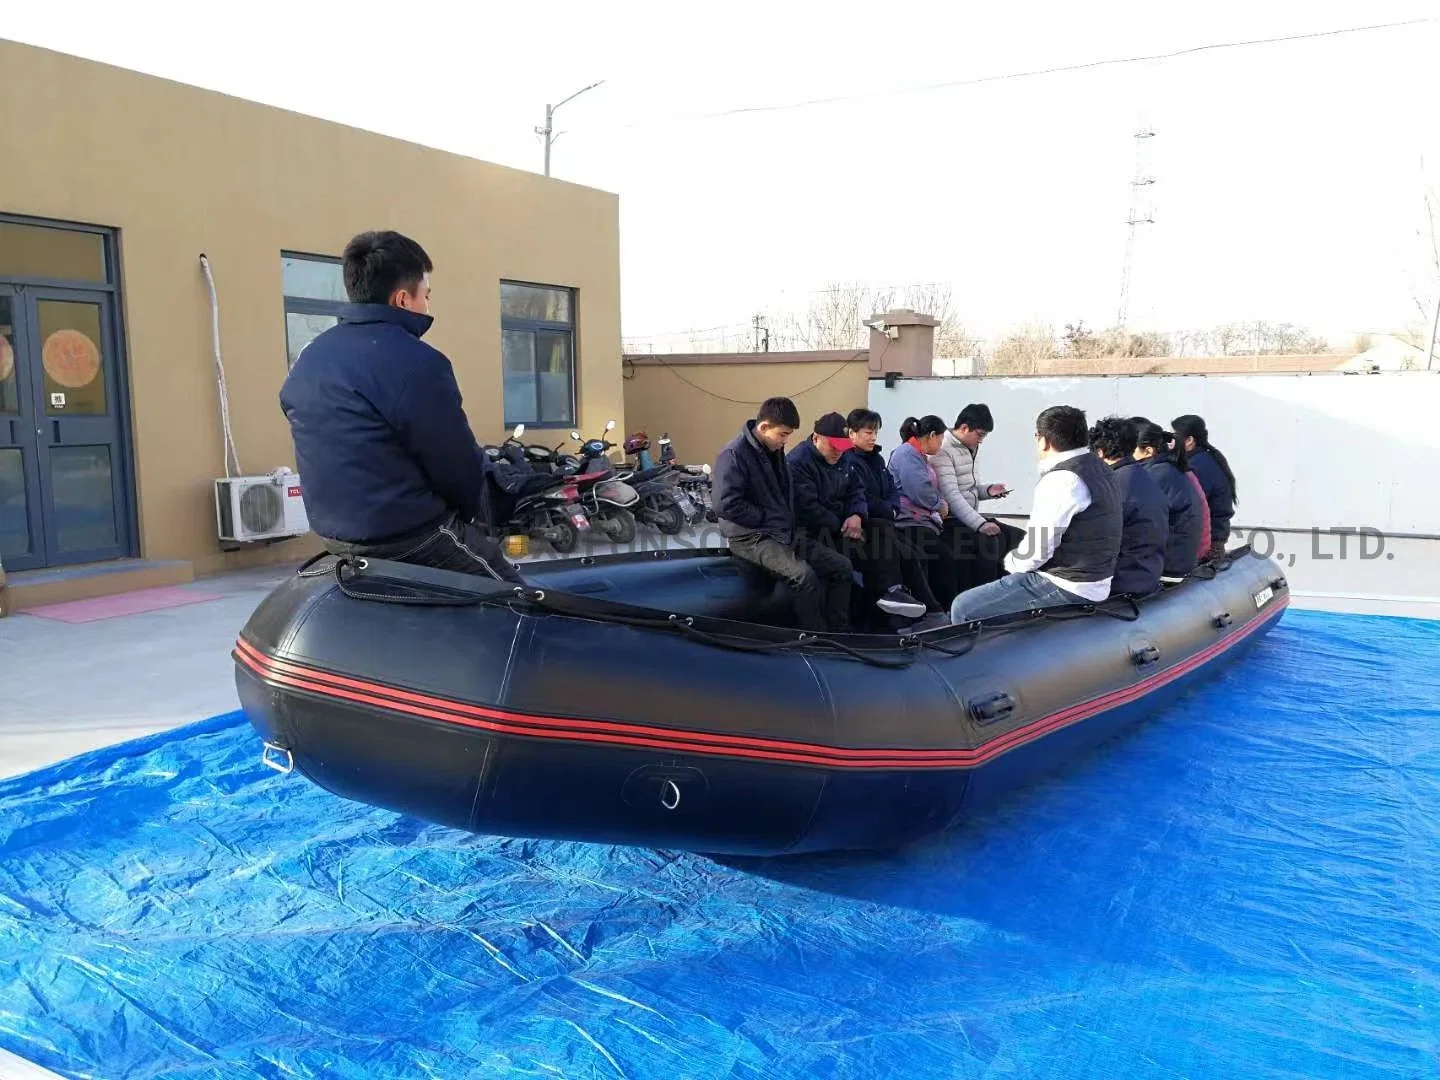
(1246, 886)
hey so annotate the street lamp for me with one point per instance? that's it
(547, 130)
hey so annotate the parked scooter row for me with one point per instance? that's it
(555, 496)
(550, 495)
(539, 504)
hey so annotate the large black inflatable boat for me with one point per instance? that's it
(660, 699)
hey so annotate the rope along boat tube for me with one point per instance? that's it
(660, 699)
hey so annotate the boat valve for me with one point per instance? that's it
(1221, 619)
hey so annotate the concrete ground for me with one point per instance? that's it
(65, 689)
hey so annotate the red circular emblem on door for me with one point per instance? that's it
(70, 358)
(7, 358)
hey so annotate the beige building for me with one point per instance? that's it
(116, 183)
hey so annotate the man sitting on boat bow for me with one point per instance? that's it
(389, 464)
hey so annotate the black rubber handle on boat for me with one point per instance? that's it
(987, 710)
(1146, 654)
(1222, 618)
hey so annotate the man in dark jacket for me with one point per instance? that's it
(831, 509)
(1146, 528)
(389, 465)
(755, 505)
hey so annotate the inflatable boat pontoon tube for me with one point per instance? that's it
(650, 699)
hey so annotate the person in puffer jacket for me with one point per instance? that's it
(979, 543)
(955, 469)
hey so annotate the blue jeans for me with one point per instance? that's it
(1009, 594)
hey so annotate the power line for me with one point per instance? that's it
(982, 79)
(736, 401)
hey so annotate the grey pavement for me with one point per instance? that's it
(68, 687)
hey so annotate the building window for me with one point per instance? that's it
(50, 252)
(537, 347)
(314, 287)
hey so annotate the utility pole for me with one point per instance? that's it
(1136, 218)
(762, 334)
(547, 132)
(1434, 333)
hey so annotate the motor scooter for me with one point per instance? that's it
(663, 505)
(546, 505)
(604, 493)
(694, 482)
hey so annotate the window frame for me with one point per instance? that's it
(520, 324)
(305, 305)
(108, 239)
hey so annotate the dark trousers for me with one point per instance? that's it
(890, 556)
(980, 559)
(453, 544)
(818, 577)
(935, 555)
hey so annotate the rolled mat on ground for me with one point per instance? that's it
(650, 699)
(1246, 886)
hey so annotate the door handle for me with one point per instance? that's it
(55, 427)
(1144, 655)
(987, 710)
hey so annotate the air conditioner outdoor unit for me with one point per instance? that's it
(249, 508)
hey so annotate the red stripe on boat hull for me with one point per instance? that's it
(309, 680)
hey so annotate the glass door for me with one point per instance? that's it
(73, 393)
(22, 545)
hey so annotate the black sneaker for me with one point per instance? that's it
(899, 602)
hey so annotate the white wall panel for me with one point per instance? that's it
(1309, 451)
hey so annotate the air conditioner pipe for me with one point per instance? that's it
(228, 452)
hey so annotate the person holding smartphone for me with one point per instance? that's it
(980, 543)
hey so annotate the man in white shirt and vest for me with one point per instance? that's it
(1074, 529)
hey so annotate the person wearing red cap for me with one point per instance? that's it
(831, 511)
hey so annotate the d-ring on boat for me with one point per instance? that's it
(663, 699)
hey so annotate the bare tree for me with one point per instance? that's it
(837, 316)
(952, 338)
(1083, 344)
(1020, 351)
(1427, 292)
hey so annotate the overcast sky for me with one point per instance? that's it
(1289, 177)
